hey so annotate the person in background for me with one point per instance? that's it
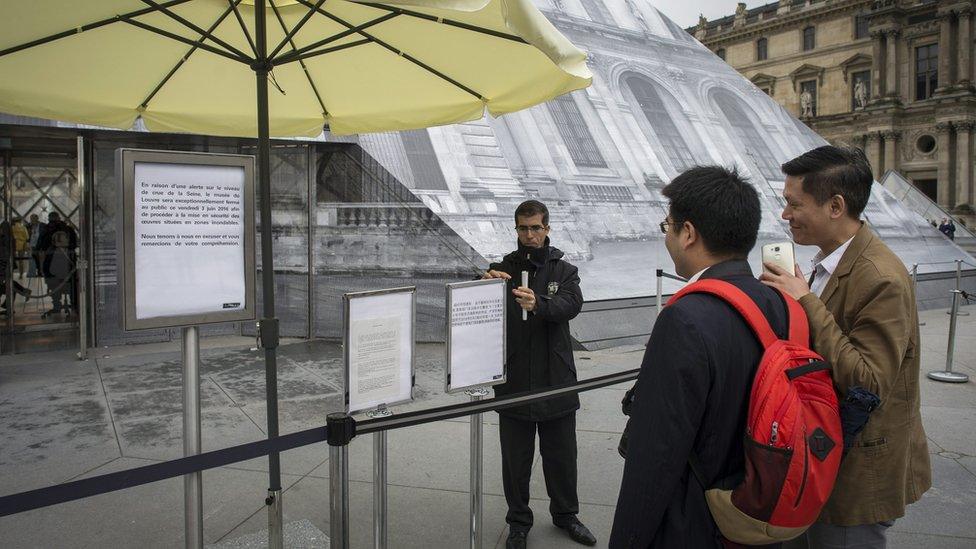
(21, 237)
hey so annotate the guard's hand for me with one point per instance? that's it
(496, 274)
(793, 284)
(525, 297)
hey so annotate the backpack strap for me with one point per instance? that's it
(741, 303)
(799, 326)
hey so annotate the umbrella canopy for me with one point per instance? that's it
(188, 65)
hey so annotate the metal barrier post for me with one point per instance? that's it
(948, 375)
(276, 534)
(192, 482)
(959, 284)
(81, 290)
(340, 428)
(915, 288)
(660, 289)
(477, 459)
(379, 481)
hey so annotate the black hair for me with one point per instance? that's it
(530, 208)
(828, 171)
(722, 206)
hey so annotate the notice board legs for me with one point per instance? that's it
(193, 482)
(477, 451)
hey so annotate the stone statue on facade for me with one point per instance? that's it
(806, 104)
(860, 93)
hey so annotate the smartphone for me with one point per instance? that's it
(780, 254)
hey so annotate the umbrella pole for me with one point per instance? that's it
(269, 324)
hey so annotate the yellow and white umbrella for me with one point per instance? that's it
(204, 66)
(356, 66)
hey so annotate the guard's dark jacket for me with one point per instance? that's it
(692, 393)
(540, 350)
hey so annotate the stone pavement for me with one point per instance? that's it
(61, 420)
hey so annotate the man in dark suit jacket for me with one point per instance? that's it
(692, 394)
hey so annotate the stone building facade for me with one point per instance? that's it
(892, 76)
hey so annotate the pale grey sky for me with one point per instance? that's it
(685, 12)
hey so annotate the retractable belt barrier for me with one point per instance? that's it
(111, 482)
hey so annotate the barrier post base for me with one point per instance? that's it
(948, 377)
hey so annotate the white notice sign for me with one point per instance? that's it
(189, 239)
(379, 348)
(476, 338)
(375, 357)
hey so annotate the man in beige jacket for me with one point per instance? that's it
(863, 320)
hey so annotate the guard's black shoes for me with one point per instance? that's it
(516, 539)
(578, 533)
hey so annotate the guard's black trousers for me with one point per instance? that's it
(557, 445)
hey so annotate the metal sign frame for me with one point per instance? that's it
(125, 162)
(448, 388)
(346, 327)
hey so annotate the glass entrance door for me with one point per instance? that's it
(39, 245)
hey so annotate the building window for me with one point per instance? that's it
(861, 26)
(926, 70)
(808, 98)
(659, 119)
(762, 52)
(572, 128)
(860, 89)
(809, 38)
(747, 137)
(767, 91)
(721, 53)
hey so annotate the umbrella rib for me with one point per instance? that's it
(289, 35)
(400, 53)
(188, 24)
(187, 41)
(340, 47)
(88, 27)
(449, 22)
(300, 53)
(186, 57)
(237, 13)
(308, 76)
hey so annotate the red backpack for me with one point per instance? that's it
(793, 438)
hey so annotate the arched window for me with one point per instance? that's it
(745, 135)
(661, 123)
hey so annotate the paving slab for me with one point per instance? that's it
(943, 424)
(947, 508)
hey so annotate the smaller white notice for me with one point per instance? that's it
(476, 334)
(189, 239)
(379, 348)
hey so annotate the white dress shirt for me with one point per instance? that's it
(824, 267)
(696, 276)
